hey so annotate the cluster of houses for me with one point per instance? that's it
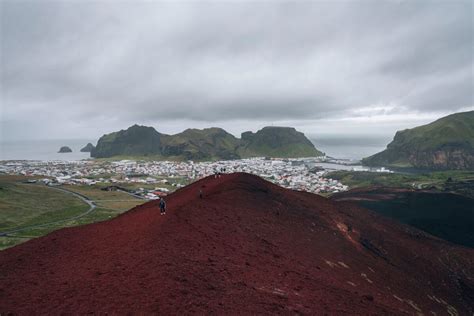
(297, 174)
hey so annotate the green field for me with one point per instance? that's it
(24, 205)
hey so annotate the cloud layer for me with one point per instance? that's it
(85, 68)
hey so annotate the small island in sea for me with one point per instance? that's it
(65, 149)
(87, 148)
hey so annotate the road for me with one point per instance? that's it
(84, 198)
(134, 195)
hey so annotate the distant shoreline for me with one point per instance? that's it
(47, 149)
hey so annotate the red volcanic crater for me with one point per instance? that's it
(247, 247)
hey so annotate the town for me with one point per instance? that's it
(153, 179)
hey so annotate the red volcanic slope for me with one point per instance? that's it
(247, 247)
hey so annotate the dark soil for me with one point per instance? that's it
(448, 216)
(247, 247)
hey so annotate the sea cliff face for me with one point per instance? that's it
(447, 143)
(444, 159)
(205, 144)
(437, 159)
(277, 142)
(136, 140)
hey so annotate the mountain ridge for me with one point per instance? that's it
(205, 144)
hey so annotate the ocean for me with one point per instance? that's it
(43, 149)
(350, 147)
(354, 148)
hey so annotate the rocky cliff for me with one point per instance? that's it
(87, 148)
(205, 144)
(447, 143)
(134, 141)
(277, 142)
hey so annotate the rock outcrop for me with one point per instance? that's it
(87, 148)
(65, 149)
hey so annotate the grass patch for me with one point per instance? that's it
(26, 204)
(7, 242)
(23, 205)
(117, 200)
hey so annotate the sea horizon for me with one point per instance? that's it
(46, 149)
(341, 147)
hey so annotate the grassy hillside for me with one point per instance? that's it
(447, 143)
(204, 144)
(136, 140)
(196, 144)
(453, 130)
(26, 205)
(272, 141)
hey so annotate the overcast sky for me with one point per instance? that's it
(74, 69)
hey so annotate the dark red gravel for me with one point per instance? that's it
(247, 247)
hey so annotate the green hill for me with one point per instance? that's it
(272, 141)
(134, 141)
(206, 144)
(447, 143)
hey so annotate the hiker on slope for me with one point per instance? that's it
(162, 206)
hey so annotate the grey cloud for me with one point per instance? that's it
(217, 62)
(446, 94)
(434, 48)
